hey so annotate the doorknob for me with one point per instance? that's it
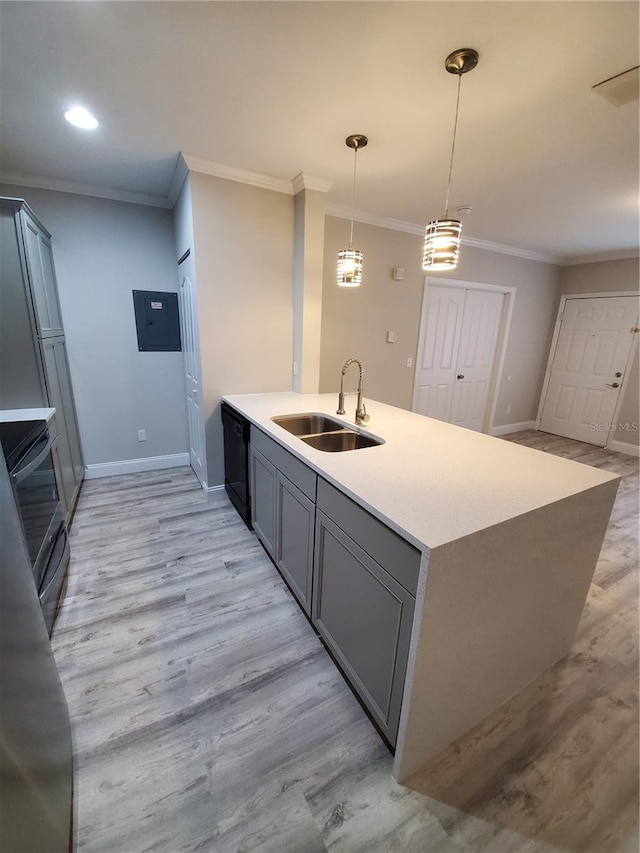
(461, 376)
(618, 375)
(613, 384)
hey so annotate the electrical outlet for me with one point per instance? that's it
(295, 368)
(508, 410)
(142, 435)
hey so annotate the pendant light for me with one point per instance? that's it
(442, 236)
(350, 260)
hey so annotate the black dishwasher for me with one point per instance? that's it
(236, 431)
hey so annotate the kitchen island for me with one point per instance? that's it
(508, 540)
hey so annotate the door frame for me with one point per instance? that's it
(501, 341)
(554, 344)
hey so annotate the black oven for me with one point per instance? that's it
(27, 447)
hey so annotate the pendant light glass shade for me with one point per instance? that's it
(349, 271)
(349, 268)
(441, 244)
(442, 236)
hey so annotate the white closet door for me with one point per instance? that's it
(476, 354)
(587, 373)
(456, 354)
(440, 330)
(193, 385)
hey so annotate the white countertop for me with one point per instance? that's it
(12, 415)
(430, 481)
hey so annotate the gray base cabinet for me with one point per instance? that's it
(365, 617)
(263, 499)
(354, 577)
(295, 515)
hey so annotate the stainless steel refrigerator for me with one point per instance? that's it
(36, 760)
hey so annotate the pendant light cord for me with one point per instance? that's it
(353, 195)
(453, 148)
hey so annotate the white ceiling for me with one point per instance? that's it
(275, 87)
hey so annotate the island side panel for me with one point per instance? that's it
(496, 609)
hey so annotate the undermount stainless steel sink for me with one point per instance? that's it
(344, 439)
(309, 423)
(325, 433)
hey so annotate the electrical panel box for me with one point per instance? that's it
(157, 321)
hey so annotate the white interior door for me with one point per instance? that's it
(191, 350)
(456, 353)
(476, 355)
(586, 375)
(440, 330)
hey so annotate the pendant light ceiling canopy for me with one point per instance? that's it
(350, 260)
(442, 236)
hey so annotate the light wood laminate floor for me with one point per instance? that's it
(207, 716)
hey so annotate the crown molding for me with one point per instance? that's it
(412, 228)
(41, 183)
(303, 181)
(375, 219)
(502, 249)
(599, 257)
(233, 173)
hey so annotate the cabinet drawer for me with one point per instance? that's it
(394, 553)
(295, 470)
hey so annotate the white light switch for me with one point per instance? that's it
(392, 337)
(409, 362)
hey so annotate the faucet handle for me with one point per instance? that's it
(361, 415)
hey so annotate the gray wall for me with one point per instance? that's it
(243, 240)
(103, 250)
(355, 321)
(611, 277)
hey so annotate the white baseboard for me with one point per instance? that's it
(623, 447)
(210, 489)
(133, 466)
(507, 428)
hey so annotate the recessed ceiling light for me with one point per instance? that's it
(79, 117)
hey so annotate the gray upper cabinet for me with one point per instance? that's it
(42, 277)
(34, 367)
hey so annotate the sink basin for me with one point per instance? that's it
(340, 440)
(309, 423)
(325, 433)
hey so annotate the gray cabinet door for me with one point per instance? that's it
(263, 499)
(42, 278)
(61, 396)
(295, 518)
(365, 617)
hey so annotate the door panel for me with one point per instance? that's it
(478, 339)
(458, 340)
(591, 355)
(191, 350)
(440, 338)
(42, 279)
